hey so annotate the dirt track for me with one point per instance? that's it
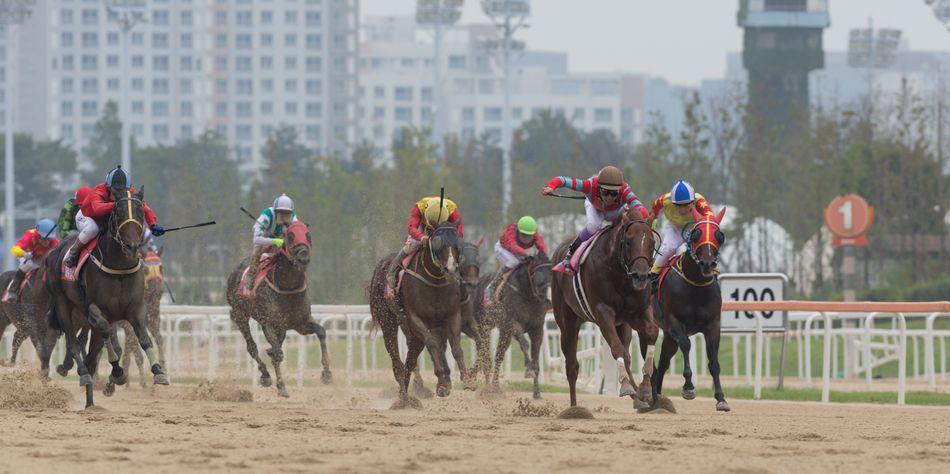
(352, 430)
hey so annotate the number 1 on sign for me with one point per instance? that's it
(845, 211)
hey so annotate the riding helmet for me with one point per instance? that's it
(118, 179)
(45, 227)
(284, 203)
(610, 177)
(682, 193)
(527, 225)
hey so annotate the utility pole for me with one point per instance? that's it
(12, 14)
(508, 16)
(438, 15)
(126, 13)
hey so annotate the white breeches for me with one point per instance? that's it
(672, 239)
(507, 259)
(87, 228)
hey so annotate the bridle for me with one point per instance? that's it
(430, 252)
(466, 261)
(707, 233)
(532, 267)
(125, 203)
(628, 265)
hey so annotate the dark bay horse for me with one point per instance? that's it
(520, 309)
(110, 288)
(22, 316)
(279, 304)
(690, 302)
(427, 309)
(615, 279)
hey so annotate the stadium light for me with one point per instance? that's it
(508, 16)
(126, 14)
(437, 15)
(12, 14)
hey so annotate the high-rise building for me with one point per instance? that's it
(239, 67)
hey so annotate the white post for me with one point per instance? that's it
(9, 235)
(826, 361)
(902, 361)
(506, 123)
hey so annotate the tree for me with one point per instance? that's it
(104, 149)
(43, 171)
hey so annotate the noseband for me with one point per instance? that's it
(531, 269)
(125, 204)
(695, 246)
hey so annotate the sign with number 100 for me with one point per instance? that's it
(752, 287)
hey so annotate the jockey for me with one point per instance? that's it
(607, 196)
(519, 241)
(97, 206)
(269, 231)
(67, 216)
(424, 217)
(29, 250)
(675, 206)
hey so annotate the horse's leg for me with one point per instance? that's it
(570, 327)
(648, 332)
(245, 328)
(712, 353)
(275, 337)
(154, 322)
(537, 336)
(432, 343)
(504, 341)
(313, 327)
(104, 332)
(526, 350)
(132, 349)
(483, 348)
(18, 337)
(137, 321)
(667, 352)
(414, 345)
(68, 360)
(620, 353)
(92, 358)
(679, 336)
(625, 333)
(455, 342)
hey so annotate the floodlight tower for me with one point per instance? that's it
(12, 14)
(438, 15)
(508, 16)
(127, 14)
(873, 51)
(782, 44)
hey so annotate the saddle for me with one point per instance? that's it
(663, 272)
(266, 264)
(580, 255)
(72, 274)
(401, 273)
(153, 266)
(578, 259)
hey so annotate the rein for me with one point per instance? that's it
(623, 247)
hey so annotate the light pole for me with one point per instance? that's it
(126, 13)
(438, 14)
(508, 16)
(12, 13)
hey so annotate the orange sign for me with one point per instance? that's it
(849, 218)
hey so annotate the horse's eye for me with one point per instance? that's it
(720, 237)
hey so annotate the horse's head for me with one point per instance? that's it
(468, 262)
(297, 247)
(127, 222)
(704, 240)
(442, 249)
(540, 274)
(637, 248)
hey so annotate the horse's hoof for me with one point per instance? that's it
(639, 405)
(121, 379)
(645, 394)
(528, 374)
(722, 406)
(282, 392)
(109, 390)
(689, 394)
(326, 377)
(627, 391)
(536, 395)
(62, 370)
(443, 391)
(266, 381)
(160, 379)
(85, 380)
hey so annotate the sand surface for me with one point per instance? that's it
(336, 429)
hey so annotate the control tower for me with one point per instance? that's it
(782, 44)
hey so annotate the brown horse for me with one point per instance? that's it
(154, 288)
(279, 304)
(691, 303)
(110, 288)
(520, 309)
(615, 279)
(427, 309)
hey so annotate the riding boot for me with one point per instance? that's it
(492, 290)
(253, 267)
(392, 272)
(72, 255)
(12, 293)
(570, 252)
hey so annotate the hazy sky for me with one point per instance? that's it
(682, 40)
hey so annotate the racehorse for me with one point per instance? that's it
(690, 302)
(615, 280)
(278, 302)
(22, 316)
(110, 289)
(427, 308)
(520, 309)
(154, 288)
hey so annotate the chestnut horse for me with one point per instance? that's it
(691, 303)
(615, 279)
